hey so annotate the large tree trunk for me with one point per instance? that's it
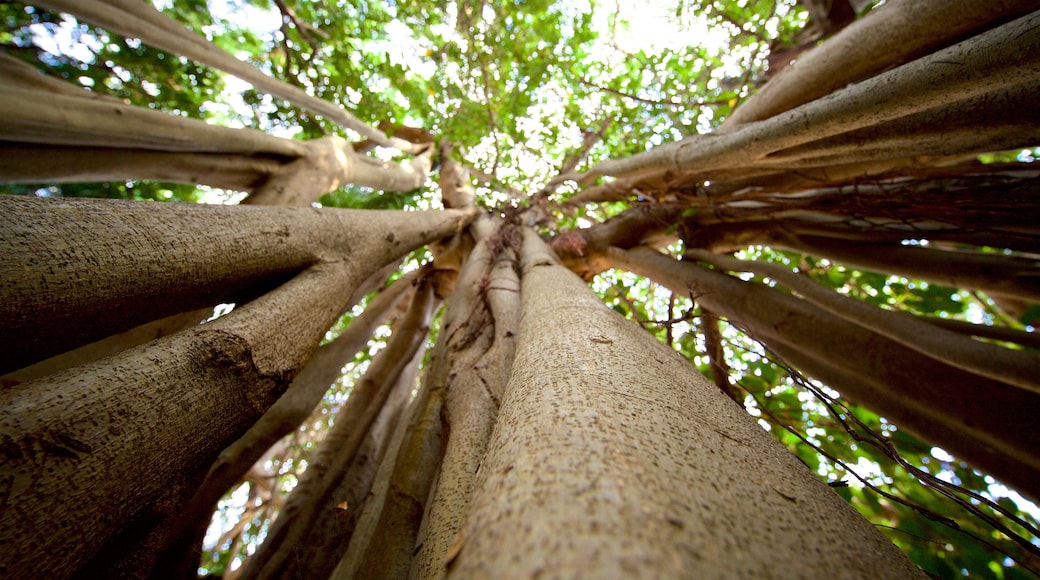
(983, 421)
(89, 447)
(481, 335)
(111, 265)
(612, 455)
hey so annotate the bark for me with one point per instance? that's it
(1003, 57)
(1015, 367)
(329, 535)
(77, 468)
(63, 119)
(285, 416)
(65, 133)
(342, 443)
(35, 163)
(178, 257)
(108, 346)
(982, 421)
(141, 20)
(598, 467)
(331, 163)
(891, 35)
(993, 121)
(384, 538)
(846, 233)
(998, 333)
(583, 251)
(481, 327)
(1013, 276)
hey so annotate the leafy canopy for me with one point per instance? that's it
(519, 88)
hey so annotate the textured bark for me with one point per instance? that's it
(87, 448)
(891, 35)
(330, 533)
(384, 538)
(287, 414)
(110, 266)
(598, 467)
(480, 326)
(342, 443)
(108, 346)
(982, 421)
(1015, 367)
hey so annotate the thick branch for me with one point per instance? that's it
(141, 20)
(337, 452)
(891, 35)
(1016, 367)
(181, 263)
(980, 420)
(1005, 56)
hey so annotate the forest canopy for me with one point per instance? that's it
(622, 128)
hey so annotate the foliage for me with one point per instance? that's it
(516, 87)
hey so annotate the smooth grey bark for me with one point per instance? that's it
(613, 456)
(75, 271)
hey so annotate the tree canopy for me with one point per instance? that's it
(898, 199)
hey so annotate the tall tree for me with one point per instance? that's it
(828, 209)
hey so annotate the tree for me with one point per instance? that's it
(831, 225)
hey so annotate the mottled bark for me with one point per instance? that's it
(600, 467)
(982, 421)
(87, 448)
(480, 326)
(75, 271)
(343, 441)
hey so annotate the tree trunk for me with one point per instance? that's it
(132, 263)
(89, 447)
(481, 334)
(982, 421)
(599, 467)
(343, 442)
(286, 415)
